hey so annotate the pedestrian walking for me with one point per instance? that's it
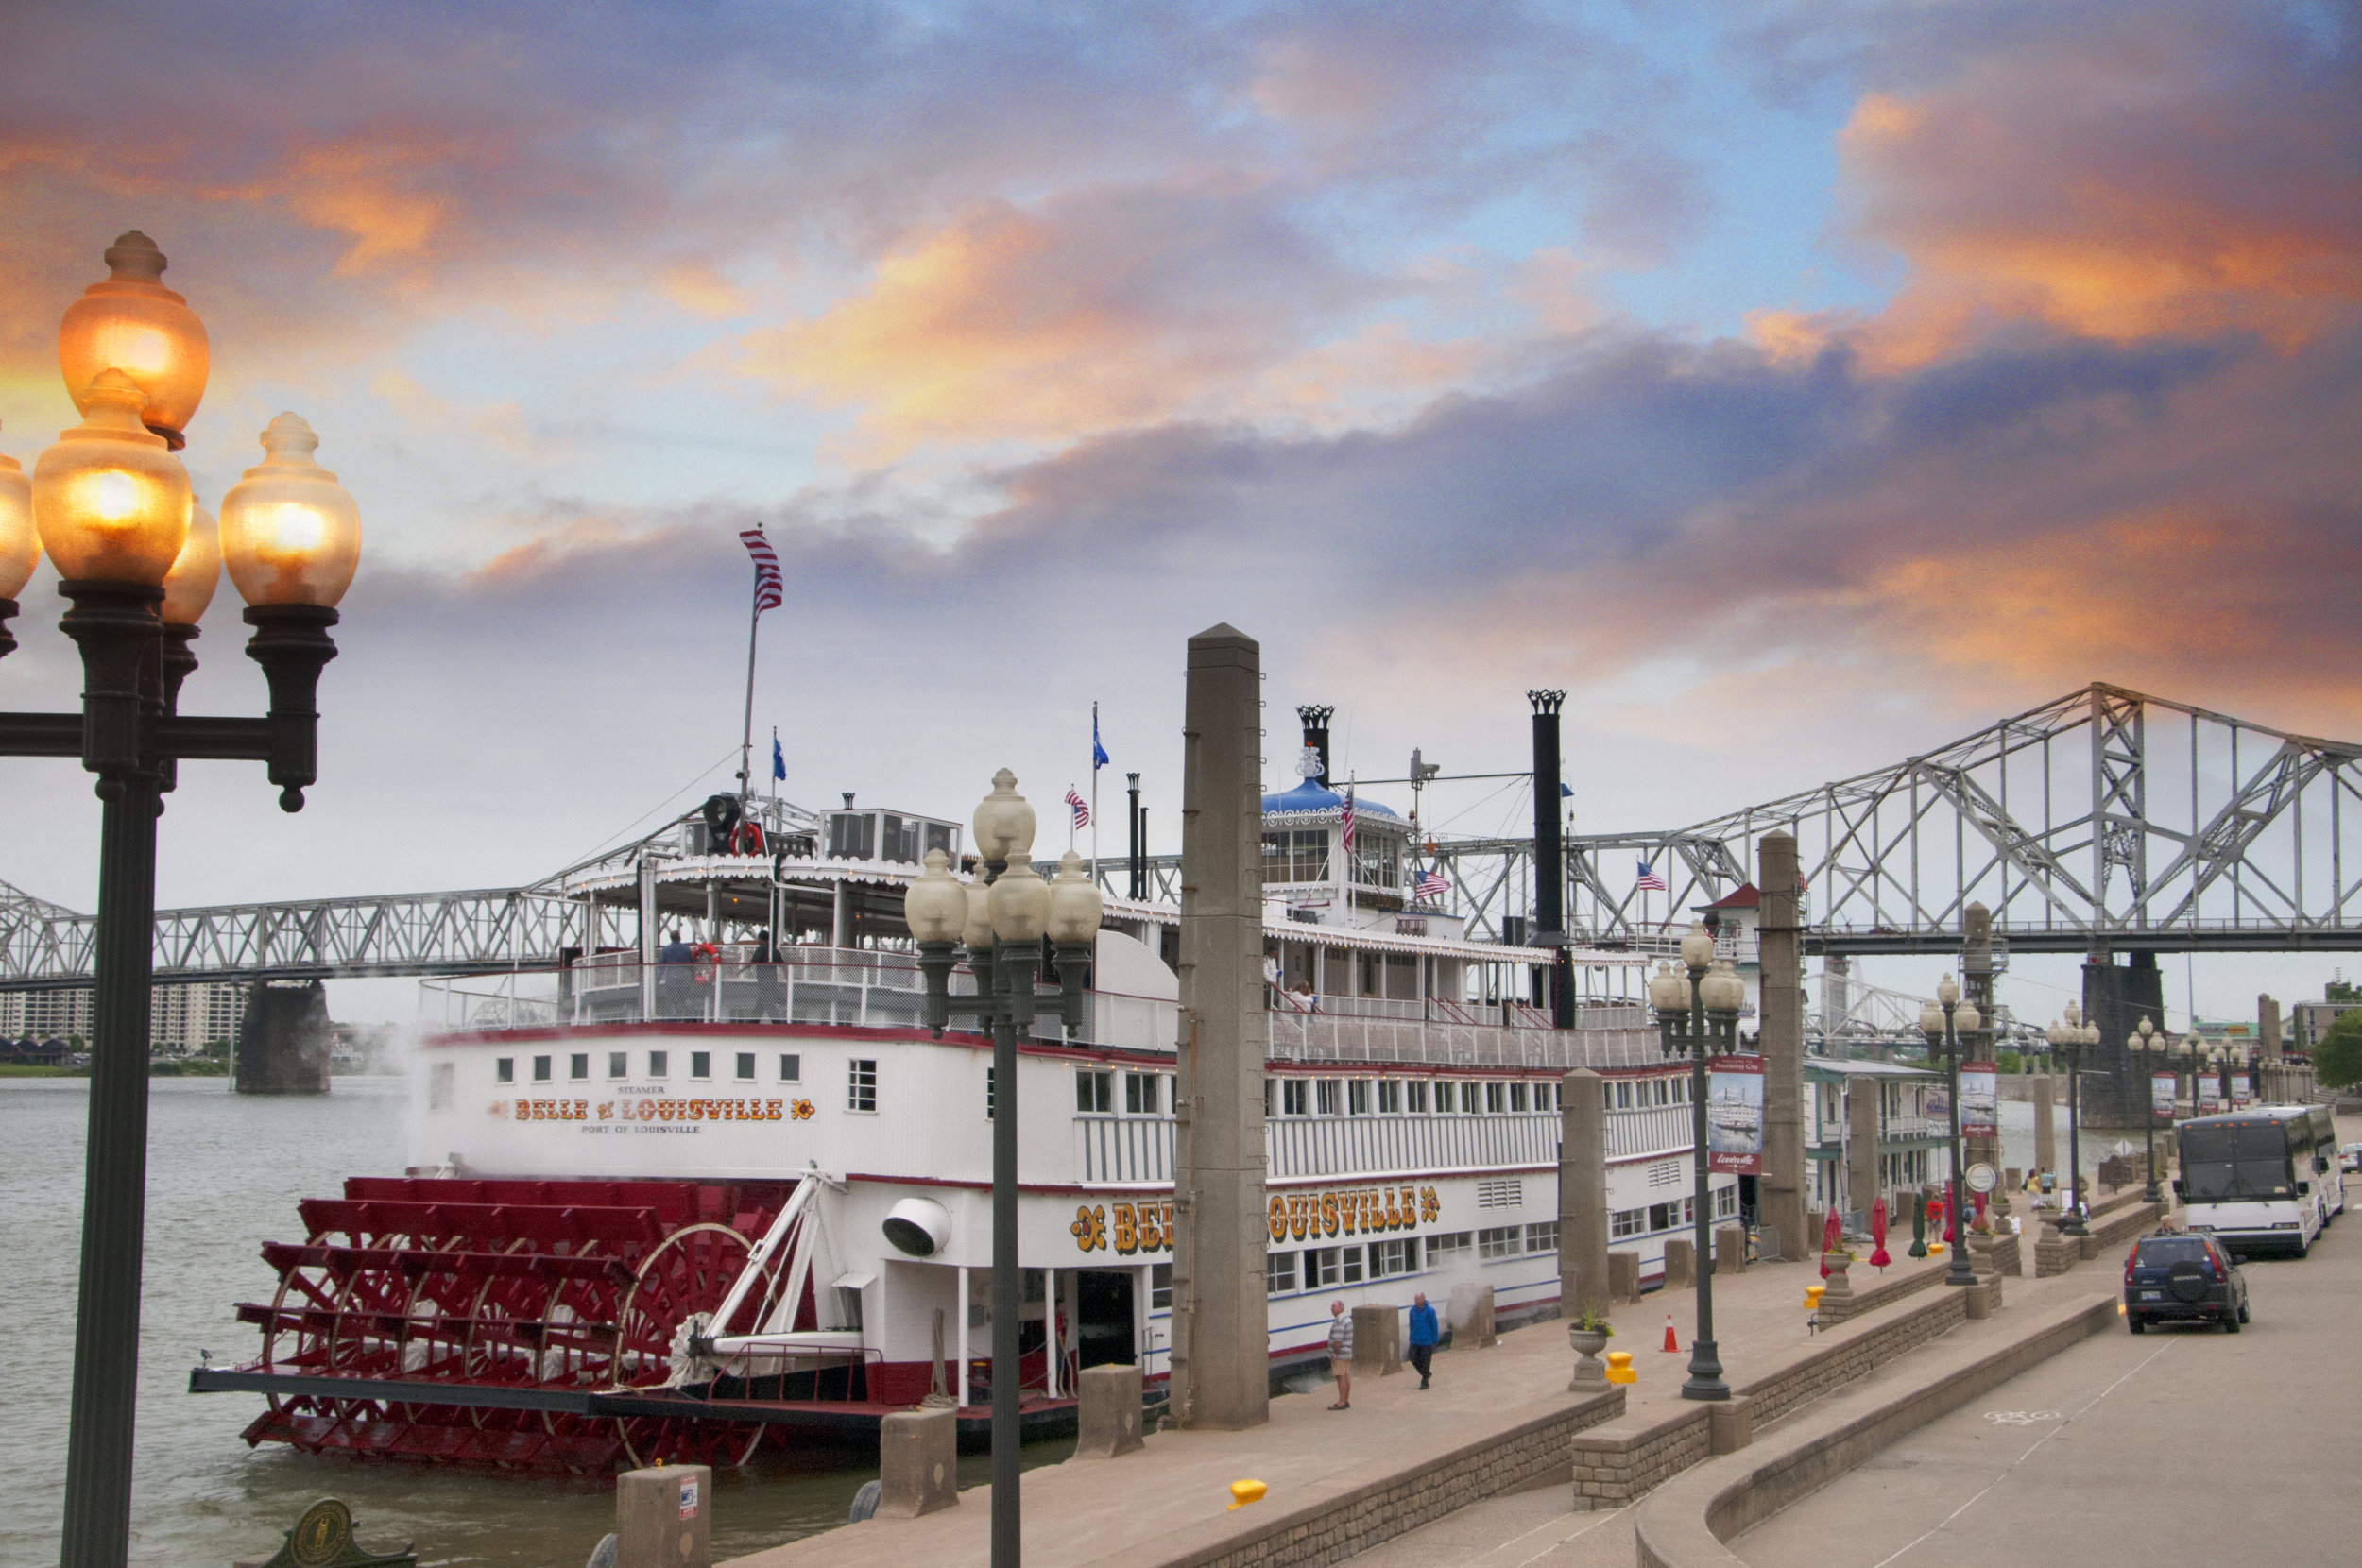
(1341, 1353)
(1423, 1335)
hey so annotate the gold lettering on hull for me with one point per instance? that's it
(1129, 1229)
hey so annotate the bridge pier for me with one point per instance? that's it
(2116, 998)
(284, 1040)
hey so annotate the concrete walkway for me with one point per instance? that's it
(1167, 1505)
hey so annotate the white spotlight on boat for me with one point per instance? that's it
(919, 1226)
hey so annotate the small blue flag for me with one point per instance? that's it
(778, 758)
(1566, 791)
(1099, 753)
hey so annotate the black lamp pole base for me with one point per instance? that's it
(1705, 1374)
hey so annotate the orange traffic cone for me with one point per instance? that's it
(1670, 1342)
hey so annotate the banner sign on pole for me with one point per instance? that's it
(2209, 1095)
(1935, 1103)
(2161, 1093)
(1735, 1114)
(1980, 1099)
(2242, 1089)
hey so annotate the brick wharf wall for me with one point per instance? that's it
(1617, 1460)
(2055, 1254)
(1522, 1459)
(1886, 1293)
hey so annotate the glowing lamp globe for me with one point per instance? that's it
(976, 931)
(134, 324)
(20, 541)
(1696, 945)
(111, 501)
(196, 572)
(1075, 904)
(290, 534)
(1966, 1019)
(1004, 822)
(1667, 991)
(1721, 990)
(1020, 904)
(936, 905)
(1930, 1019)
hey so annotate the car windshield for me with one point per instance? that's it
(2166, 1251)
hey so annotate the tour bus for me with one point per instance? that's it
(2262, 1178)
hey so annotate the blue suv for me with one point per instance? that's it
(2183, 1276)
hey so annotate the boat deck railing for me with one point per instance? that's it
(883, 989)
(1139, 1149)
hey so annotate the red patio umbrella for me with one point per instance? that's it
(1832, 1237)
(1947, 1220)
(1878, 1259)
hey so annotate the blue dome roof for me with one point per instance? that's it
(1310, 797)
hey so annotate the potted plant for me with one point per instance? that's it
(1835, 1263)
(1589, 1335)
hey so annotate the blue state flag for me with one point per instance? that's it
(1099, 753)
(778, 760)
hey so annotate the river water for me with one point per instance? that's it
(224, 1175)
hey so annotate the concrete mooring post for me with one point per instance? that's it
(2045, 1123)
(1220, 1360)
(1780, 1189)
(1863, 1185)
(1583, 1282)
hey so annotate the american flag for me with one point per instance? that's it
(1345, 823)
(1082, 807)
(1648, 880)
(1432, 884)
(770, 590)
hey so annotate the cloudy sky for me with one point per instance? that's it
(1800, 386)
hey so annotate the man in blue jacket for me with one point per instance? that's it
(1423, 1335)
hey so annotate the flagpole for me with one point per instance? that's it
(1095, 794)
(746, 736)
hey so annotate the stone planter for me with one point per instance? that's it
(1587, 1343)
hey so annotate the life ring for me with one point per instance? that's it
(747, 839)
(707, 955)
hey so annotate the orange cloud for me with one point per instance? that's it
(2157, 170)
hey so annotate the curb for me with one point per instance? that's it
(1684, 1523)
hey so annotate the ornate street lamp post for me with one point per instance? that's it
(138, 561)
(2149, 1051)
(1003, 920)
(1943, 1021)
(2072, 1035)
(1696, 1016)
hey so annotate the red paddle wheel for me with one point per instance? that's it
(509, 1307)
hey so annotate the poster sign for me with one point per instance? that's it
(1936, 1105)
(2209, 1095)
(1980, 1099)
(2242, 1089)
(1735, 1114)
(688, 1497)
(2161, 1096)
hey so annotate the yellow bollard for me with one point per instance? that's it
(1619, 1367)
(1812, 1296)
(1935, 1249)
(1243, 1492)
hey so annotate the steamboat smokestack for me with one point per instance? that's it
(1549, 857)
(1316, 737)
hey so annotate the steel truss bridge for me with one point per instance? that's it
(2106, 820)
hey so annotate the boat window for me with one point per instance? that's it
(1468, 1095)
(1142, 1092)
(746, 1067)
(1495, 1097)
(1418, 1095)
(701, 1064)
(1297, 856)
(1665, 1091)
(619, 1063)
(1280, 1275)
(1319, 1266)
(852, 835)
(1623, 1095)
(659, 1064)
(1390, 1096)
(791, 1067)
(505, 1070)
(1546, 1096)
(939, 837)
(1394, 1258)
(1348, 1265)
(1295, 1097)
(1443, 1250)
(541, 1069)
(578, 1065)
(1520, 1096)
(1542, 1237)
(1499, 1241)
(1094, 1093)
(1159, 1286)
(861, 1084)
(1358, 1096)
(1626, 1223)
(1326, 1101)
